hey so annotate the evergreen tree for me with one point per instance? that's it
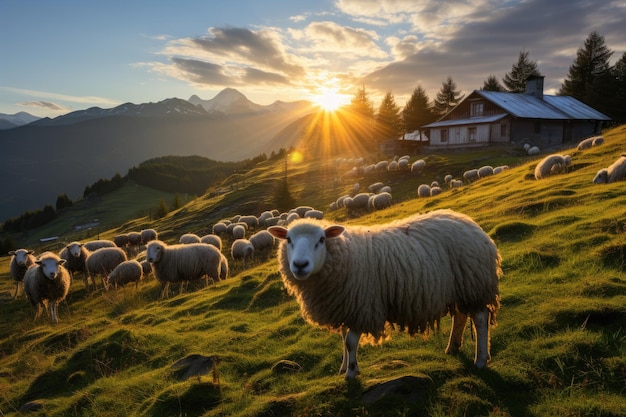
(515, 81)
(63, 201)
(283, 200)
(589, 77)
(388, 120)
(492, 84)
(447, 98)
(362, 104)
(162, 209)
(618, 98)
(417, 111)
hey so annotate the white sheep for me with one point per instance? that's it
(189, 238)
(301, 210)
(21, 260)
(148, 235)
(418, 166)
(250, 220)
(380, 201)
(242, 249)
(470, 175)
(262, 241)
(76, 254)
(411, 272)
(359, 201)
(212, 239)
(589, 142)
(448, 178)
(551, 165)
(485, 171)
(456, 184)
(314, 214)
(435, 191)
(499, 169)
(423, 190)
(93, 245)
(219, 228)
(47, 282)
(381, 166)
(534, 150)
(385, 189)
(182, 263)
(101, 262)
(121, 241)
(403, 164)
(124, 273)
(615, 172)
(373, 188)
(393, 166)
(239, 232)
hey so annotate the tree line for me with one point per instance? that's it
(591, 79)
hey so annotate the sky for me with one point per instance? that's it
(65, 55)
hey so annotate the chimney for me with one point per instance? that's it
(534, 86)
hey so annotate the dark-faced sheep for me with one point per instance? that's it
(411, 272)
(21, 260)
(148, 235)
(48, 282)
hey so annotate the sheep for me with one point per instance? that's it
(423, 190)
(456, 184)
(552, 164)
(589, 142)
(615, 172)
(93, 245)
(533, 151)
(340, 201)
(146, 268)
(264, 216)
(302, 209)
(598, 140)
(435, 191)
(262, 241)
(102, 262)
(148, 235)
(211, 239)
(485, 171)
(373, 188)
(242, 249)
(470, 175)
(448, 178)
(134, 239)
(251, 221)
(434, 184)
(47, 282)
(314, 214)
(380, 201)
(418, 166)
(393, 166)
(75, 254)
(499, 169)
(239, 232)
(121, 241)
(410, 272)
(230, 227)
(385, 189)
(403, 164)
(188, 238)
(21, 260)
(359, 201)
(381, 166)
(185, 262)
(219, 228)
(124, 273)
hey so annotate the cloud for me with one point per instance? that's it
(330, 37)
(45, 105)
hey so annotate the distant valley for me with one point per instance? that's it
(48, 157)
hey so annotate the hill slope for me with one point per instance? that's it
(559, 348)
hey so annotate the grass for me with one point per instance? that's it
(559, 348)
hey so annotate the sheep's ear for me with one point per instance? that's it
(30, 252)
(12, 252)
(334, 231)
(278, 232)
(38, 262)
(62, 261)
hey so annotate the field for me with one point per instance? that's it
(559, 348)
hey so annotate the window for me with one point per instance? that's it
(503, 131)
(476, 109)
(457, 135)
(471, 132)
(444, 135)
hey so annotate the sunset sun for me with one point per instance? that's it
(329, 99)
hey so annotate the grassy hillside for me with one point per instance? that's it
(559, 348)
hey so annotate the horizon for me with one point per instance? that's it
(63, 57)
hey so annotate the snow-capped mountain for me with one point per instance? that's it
(8, 121)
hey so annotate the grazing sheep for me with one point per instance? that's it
(102, 262)
(291, 217)
(272, 221)
(314, 214)
(456, 184)
(93, 245)
(121, 241)
(211, 239)
(21, 260)
(242, 249)
(134, 239)
(264, 216)
(146, 268)
(262, 241)
(359, 201)
(551, 165)
(183, 263)
(189, 238)
(470, 175)
(385, 189)
(418, 166)
(423, 190)
(615, 172)
(393, 166)
(448, 178)
(485, 171)
(148, 235)
(500, 169)
(302, 209)
(251, 221)
(380, 201)
(239, 232)
(589, 142)
(381, 166)
(434, 184)
(219, 228)
(124, 273)
(403, 164)
(598, 140)
(534, 150)
(373, 188)
(435, 191)
(410, 272)
(47, 282)
(340, 201)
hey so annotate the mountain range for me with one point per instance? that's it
(47, 157)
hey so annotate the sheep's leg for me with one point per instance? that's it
(38, 307)
(17, 287)
(344, 360)
(350, 343)
(54, 314)
(86, 281)
(459, 320)
(481, 323)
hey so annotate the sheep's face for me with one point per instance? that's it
(21, 256)
(602, 177)
(50, 267)
(306, 247)
(74, 249)
(154, 252)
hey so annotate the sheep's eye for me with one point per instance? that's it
(288, 240)
(322, 240)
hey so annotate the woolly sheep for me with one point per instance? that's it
(21, 260)
(403, 164)
(134, 238)
(183, 263)
(589, 142)
(242, 249)
(148, 235)
(615, 172)
(598, 140)
(456, 184)
(239, 232)
(385, 189)
(448, 178)
(423, 190)
(358, 279)
(500, 169)
(552, 164)
(189, 238)
(485, 171)
(250, 220)
(211, 239)
(359, 201)
(393, 166)
(470, 175)
(533, 151)
(47, 281)
(262, 241)
(381, 166)
(373, 188)
(93, 245)
(380, 201)
(230, 227)
(121, 241)
(219, 228)
(302, 209)
(434, 184)
(101, 262)
(314, 214)
(272, 221)
(435, 191)
(126, 272)
(146, 268)
(291, 217)
(418, 166)
(264, 216)
(76, 254)
(340, 201)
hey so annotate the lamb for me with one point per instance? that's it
(262, 241)
(411, 272)
(126, 272)
(615, 172)
(188, 238)
(183, 263)
(552, 164)
(21, 260)
(423, 190)
(102, 262)
(211, 239)
(242, 249)
(47, 282)
(148, 235)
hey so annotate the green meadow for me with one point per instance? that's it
(559, 348)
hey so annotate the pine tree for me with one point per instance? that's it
(362, 104)
(589, 77)
(388, 120)
(618, 98)
(447, 98)
(515, 81)
(492, 84)
(417, 111)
